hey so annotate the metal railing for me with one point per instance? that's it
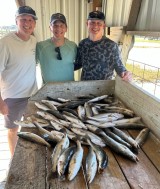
(145, 76)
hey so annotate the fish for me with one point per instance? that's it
(116, 137)
(45, 134)
(33, 138)
(118, 147)
(93, 137)
(115, 109)
(58, 134)
(88, 110)
(100, 124)
(77, 126)
(60, 127)
(47, 115)
(70, 114)
(42, 122)
(130, 126)
(65, 123)
(72, 104)
(63, 100)
(55, 101)
(24, 123)
(88, 97)
(129, 120)
(57, 114)
(126, 137)
(81, 112)
(101, 155)
(142, 136)
(90, 165)
(56, 125)
(50, 104)
(68, 110)
(64, 160)
(107, 117)
(96, 99)
(75, 162)
(94, 110)
(74, 119)
(29, 122)
(58, 150)
(41, 106)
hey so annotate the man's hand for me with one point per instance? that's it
(126, 76)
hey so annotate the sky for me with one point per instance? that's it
(7, 12)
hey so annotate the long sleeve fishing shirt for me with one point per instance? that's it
(98, 59)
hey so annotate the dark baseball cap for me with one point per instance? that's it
(26, 10)
(96, 15)
(58, 16)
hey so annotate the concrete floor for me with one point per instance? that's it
(4, 150)
(4, 154)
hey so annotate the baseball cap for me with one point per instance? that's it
(26, 10)
(58, 16)
(96, 15)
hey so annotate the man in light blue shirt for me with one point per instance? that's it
(56, 55)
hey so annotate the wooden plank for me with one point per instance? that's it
(112, 177)
(73, 89)
(144, 33)
(140, 175)
(96, 4)
(135, 8)
(151, 148)
(54, 182)
(28, 168)
(20, 3)
(141, 102)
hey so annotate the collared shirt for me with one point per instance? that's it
(98, 59)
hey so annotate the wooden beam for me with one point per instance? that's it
(97, 3)
(144, 33)
(20, 3)
(135, 8)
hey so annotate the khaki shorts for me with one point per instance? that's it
(16, 108)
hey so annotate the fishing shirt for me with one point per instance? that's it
(98, 59)
(53, 69)
(17, 67)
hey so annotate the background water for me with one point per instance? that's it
(148, 54)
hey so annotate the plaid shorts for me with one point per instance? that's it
(16, 107)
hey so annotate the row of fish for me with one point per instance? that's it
(93, 121)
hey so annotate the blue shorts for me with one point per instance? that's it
(16, 107)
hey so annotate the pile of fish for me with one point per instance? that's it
(93, 121)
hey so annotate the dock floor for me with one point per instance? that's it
(4, 154)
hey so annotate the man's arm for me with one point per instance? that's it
(3, 107)
(120, 68)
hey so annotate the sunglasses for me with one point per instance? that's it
(57, 50)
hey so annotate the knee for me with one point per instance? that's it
(13, 130)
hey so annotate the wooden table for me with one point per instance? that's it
(31, 169)
(31, 164)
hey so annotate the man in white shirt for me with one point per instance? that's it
(17, 71)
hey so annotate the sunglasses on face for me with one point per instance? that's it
(57, 50)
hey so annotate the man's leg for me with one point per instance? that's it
(12, 139)
(16, 110)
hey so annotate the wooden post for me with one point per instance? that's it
(20, 3)
(97, 3)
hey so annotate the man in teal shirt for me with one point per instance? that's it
(56, 55)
